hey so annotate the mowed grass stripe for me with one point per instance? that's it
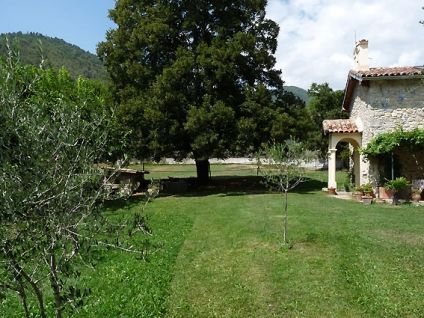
(211, 270)
(231, 264)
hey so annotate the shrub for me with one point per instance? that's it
(367, 187)
(397, 184)
(359, 188)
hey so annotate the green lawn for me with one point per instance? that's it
(347, 259)
(218, 254)
(162, 171)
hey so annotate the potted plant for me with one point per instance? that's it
(416, 195)
(368, 190)
(385, 194)
(359, 192)
(396, 186)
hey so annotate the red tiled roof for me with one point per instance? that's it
(340, 126)
(389, 71)
(376, 73)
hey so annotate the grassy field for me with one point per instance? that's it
(347, 259)
(161, 171)
(217, 253)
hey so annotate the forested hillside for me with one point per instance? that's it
(56, 52)
(299, 92)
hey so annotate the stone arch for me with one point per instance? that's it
(355, 140)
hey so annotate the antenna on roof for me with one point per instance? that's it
(355, 36)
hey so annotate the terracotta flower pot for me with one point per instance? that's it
(385, 194)
(367, 200)
(369, 194)
(416, 197)
(358, 195)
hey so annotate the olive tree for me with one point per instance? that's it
(54, 133)
(282, 166)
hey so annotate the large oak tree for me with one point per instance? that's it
(194, 78)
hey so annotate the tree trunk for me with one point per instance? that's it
(18, 269)
(20, 290)
(38, 294)
(202, 168)
(54, 281)
(286, 240)
(22, 296)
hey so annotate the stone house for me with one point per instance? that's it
(378, 100)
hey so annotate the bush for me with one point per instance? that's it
(347, 184)
(367, 187)
(397, 184)
(359, 188)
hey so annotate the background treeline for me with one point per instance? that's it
(299, 112)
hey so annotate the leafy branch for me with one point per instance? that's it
(386, 143)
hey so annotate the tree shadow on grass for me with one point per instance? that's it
(232, 186)
(309, 186)
(220, 185)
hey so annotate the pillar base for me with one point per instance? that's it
(332, 191)
(332, 184)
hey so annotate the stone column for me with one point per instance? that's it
(332, 168)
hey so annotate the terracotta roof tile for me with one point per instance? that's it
(375, 73)
(340, 126)
(390, 71)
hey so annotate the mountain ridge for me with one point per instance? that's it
(299, 92)
(33, 47)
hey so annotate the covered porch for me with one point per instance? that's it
(349, 131)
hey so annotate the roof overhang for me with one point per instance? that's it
(350, 87)
(340, 126)
(355, 78)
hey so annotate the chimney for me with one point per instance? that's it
(360, 56)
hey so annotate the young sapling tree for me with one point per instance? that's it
(283, 169)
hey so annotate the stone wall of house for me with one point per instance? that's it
(382, 106)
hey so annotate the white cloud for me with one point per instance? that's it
(317, 37)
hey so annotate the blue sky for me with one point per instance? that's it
(315, 43)
(80, 22)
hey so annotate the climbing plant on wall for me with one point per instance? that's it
(386, 143)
